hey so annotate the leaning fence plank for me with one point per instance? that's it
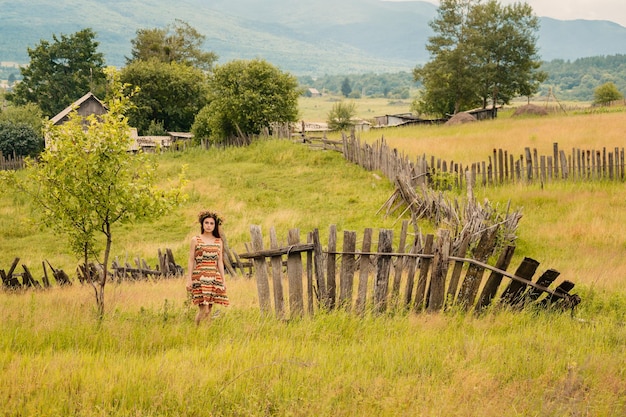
(277, 266)
(544, 280)
(364, 269)
(309, 276)
(411, 268)
(381, 285)
(331, 264)
(346, 279)
(439, 271)
(493, 282)
(319, 270)
(458, 268)
(513, 292)
(294, 274)
(400, 261)
(474, 274)
(262, 284)
(422, 281)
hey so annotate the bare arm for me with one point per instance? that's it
(220, 263)
(192, 261)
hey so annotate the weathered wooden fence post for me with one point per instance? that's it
(364, 269)
(260, 265)
(277, 266)
(381, 285)
(294, 273)
(348, 263)
(331, 264)
(440, 271)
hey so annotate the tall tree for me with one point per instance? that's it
(507, 58)
(481, 53)
(448, 77)
(60, 72)
(178, 43)
(245, 97)
(170, 94)
(87, 181)
(346, 88)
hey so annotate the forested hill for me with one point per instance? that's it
(577, 80)
(308, 37)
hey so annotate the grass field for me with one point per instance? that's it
(147, 358)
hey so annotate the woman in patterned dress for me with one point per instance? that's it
(206, 267)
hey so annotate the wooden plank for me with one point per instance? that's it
(513, 293)
(331, 263)
(381, 285)
(411, 269)
(458, 267)
(260, 266)
(400, 261)
(493, 282)
(309, 276)
(294, 275)
(422, 281)
(348, 264)
(439, 271)
(277, 281)
(544, 280)
(364, 269)
(473, 276)
(320, 278)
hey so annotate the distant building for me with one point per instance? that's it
(89, 104)
(313, 92)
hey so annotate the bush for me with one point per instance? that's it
(19, 138)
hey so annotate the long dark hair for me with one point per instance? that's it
(218, 221)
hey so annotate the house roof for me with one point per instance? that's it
(89, 96)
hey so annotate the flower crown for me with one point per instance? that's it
(204, 214)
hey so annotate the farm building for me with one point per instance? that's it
(89, 104)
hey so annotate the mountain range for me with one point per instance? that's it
(307, 37)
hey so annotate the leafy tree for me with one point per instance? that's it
(29, 114)
(178, 43)
(60, 72)
(480, 52)
(87, 181)
(607, 93)
(346, 89)
(170, 94)
(245, 97)
(508, 62)
(341, 116)
(19, 139)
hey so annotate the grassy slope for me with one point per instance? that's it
(503, 364)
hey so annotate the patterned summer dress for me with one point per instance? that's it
(207, 282)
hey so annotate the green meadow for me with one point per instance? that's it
(146, 357)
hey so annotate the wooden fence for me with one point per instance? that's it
(501, 167)
(167, 268)
(13, 162)
(427, 274)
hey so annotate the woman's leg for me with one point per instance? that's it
(204, 312)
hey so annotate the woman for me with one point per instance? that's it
(206, 267)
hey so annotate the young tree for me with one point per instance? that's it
(169, 93)
(178, 43)
(60, 72)
(341, 116)
(606, 93)
(245, 97)
(87, 181)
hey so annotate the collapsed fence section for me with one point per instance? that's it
(428, 274)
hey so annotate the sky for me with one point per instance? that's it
(613, 10)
